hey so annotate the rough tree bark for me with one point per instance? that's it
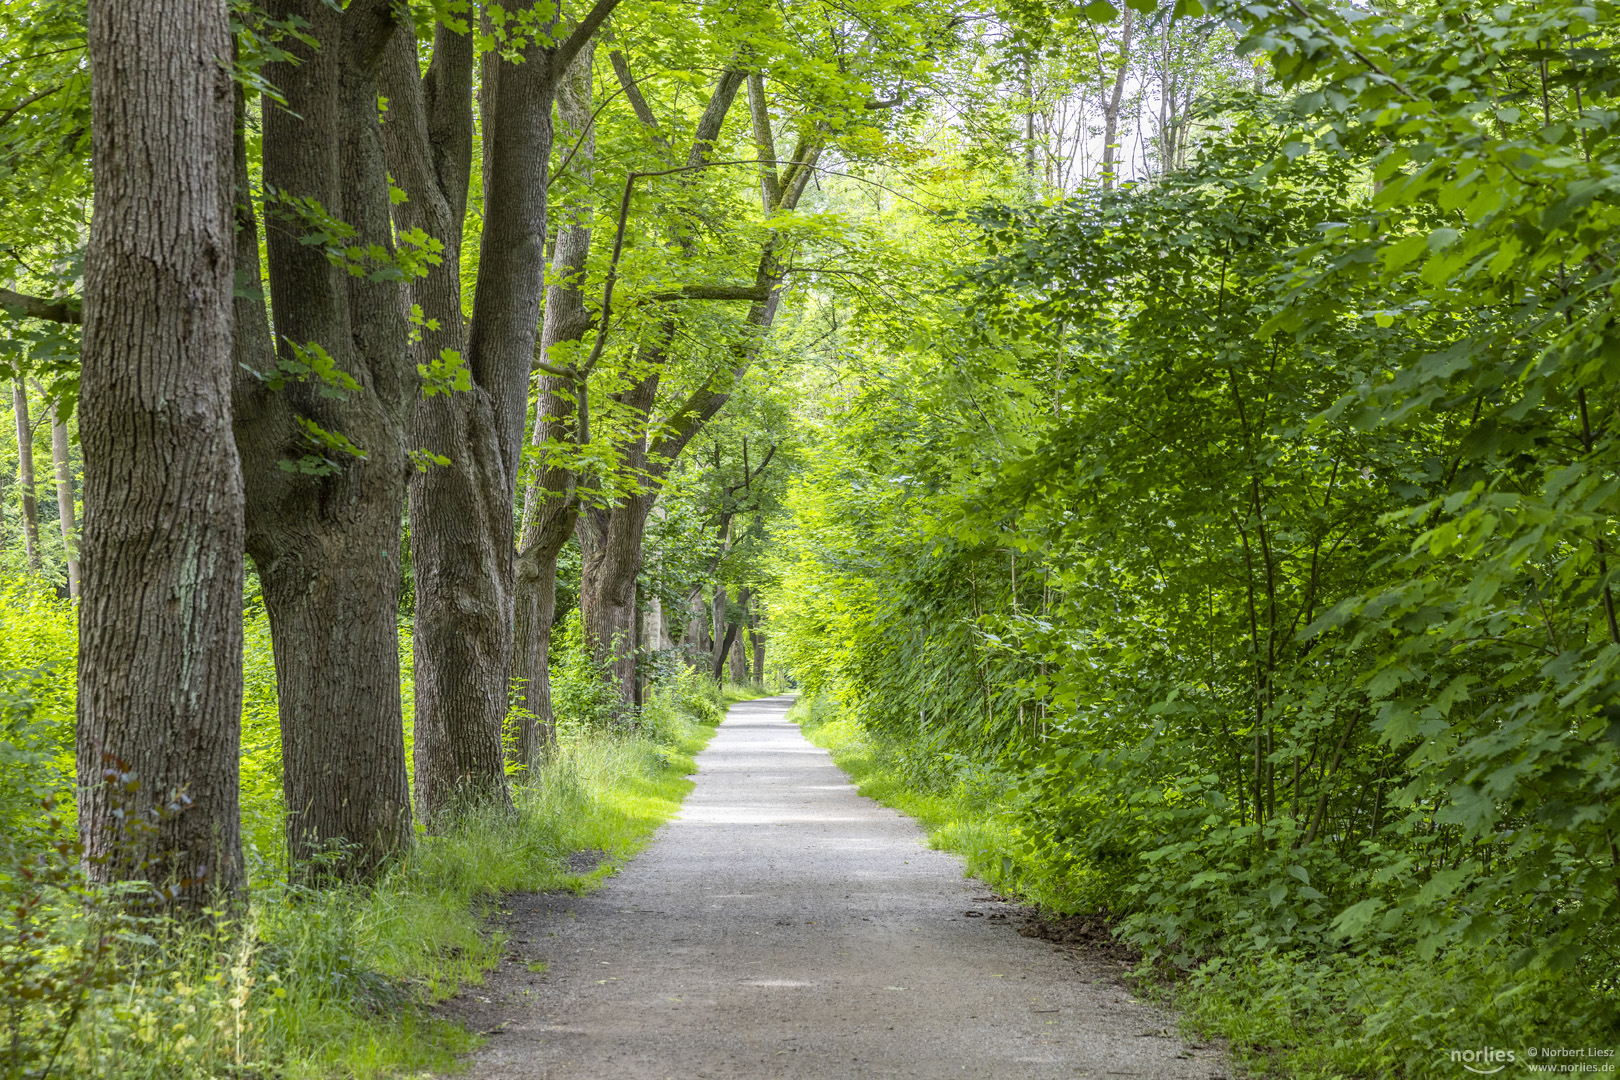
(551, 506)
(462, 519)
(63, 465)
(25, 474)
(160, 625)
(459, 576)
(323, 525)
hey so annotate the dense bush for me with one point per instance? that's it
(1265, 539)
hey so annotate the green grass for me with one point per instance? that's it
(424, 926)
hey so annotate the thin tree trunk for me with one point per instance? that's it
(64, 500)
(724, 648)
(160, 626)
(756, 642)
(25, 474)
(325, 533)
(1111, 105)
(1029, 123)
(717, 619)
(551, 506)
(739, 659)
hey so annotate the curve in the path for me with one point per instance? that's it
(784, 926)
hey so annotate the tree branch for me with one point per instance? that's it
(770, 184)
(583, 32)
(756, 293)
(27, 101)
(638, 103)
(63, 309)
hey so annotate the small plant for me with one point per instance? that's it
(57, 944)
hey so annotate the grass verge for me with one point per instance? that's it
(1323, 1017)
(339, 982)
(423, 928)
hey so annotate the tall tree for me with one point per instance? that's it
(323, 412)
(610, 536)
(551, 503)
(463, 524)
(1112, 98)
(25, 473)
(160, 627)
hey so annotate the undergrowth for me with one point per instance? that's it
(1300, 1014)
(305, 982)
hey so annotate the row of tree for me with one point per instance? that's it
(339, 288)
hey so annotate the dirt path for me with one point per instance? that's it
(784, 926)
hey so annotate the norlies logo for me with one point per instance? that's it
(1484, 1061)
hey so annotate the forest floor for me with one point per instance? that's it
(782, 925)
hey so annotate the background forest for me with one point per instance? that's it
(1172, 447)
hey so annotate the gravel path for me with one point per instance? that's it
(784, 926)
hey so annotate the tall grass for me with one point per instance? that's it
(305, 982)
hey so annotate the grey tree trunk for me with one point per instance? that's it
(551, 507)
(160, 624)
(463, 581)
(695, 639)
(63, 464)
(463, 525)
(717, 618)
(756, 641)
(739, 658)
(25, 474)
(1111, 104)
(323, 525)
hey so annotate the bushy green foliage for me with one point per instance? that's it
(1259, 522)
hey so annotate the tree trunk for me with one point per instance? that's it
(654, 632)
(551, 508)
(739, 656)
(463, 521)
(25, 474)
(64, 500)
(722, 650)
(694, 641)
(610, 545)
(160, 625)
(323, 525)
(756, 641)
(717, 619)
(1111, 104)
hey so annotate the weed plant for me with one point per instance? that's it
(1373, 1012)
(303, 982)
